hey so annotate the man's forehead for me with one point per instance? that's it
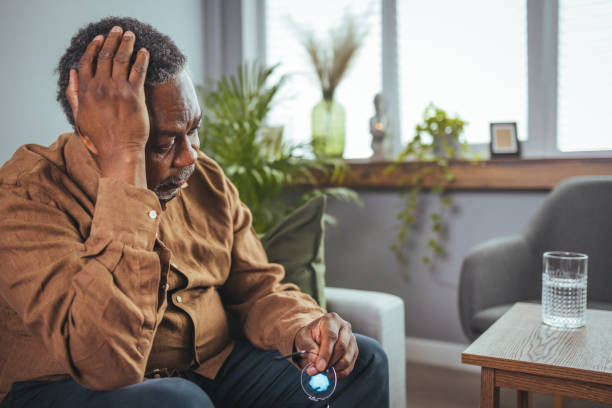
(173, 101)
(179, 85)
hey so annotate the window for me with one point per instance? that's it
(468, 57)
(544, 64)
(301, 92)
(584, 84)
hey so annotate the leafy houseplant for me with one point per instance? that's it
(437, 140)
(253, 156)
(331, 60)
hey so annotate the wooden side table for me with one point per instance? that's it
(520, 352)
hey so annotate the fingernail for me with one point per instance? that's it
(128, 34)
(311, 371)
(321, 365)
(98, 37)
(116, 29)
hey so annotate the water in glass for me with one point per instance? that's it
(564, 289)
(564, 301)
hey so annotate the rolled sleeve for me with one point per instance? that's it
(125, 213)
(271, 312)
(92, 301)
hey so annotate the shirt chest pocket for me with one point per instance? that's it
(203, 265)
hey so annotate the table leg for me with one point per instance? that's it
(523, 399)
(489, 393)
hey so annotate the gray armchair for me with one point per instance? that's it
(576, 216)
(379, 316)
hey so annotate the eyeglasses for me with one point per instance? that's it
(318, 387)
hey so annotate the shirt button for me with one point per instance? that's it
(179, 299)
(153, 214)
(167, 286)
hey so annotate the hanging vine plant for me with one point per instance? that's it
(438, 140)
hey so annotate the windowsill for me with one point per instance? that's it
(495, 174)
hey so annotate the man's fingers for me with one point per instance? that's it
(334, 342)
(86, 70)
(345, 365)
(305, 341)
(106, 54)
(329, 337)
(139, 69)
(121, 62)
(341, 347)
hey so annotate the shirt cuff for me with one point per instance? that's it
(125, 213)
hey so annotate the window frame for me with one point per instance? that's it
(542, 61)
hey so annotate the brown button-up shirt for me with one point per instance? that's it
(98, 283)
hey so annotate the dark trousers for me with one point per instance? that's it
(249, 378)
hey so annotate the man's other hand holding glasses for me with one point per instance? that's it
(326, 350)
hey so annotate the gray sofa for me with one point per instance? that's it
(380, 316)
(576, 216)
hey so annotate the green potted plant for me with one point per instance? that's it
(437, 141)
(253, 156)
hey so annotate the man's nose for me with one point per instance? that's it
(187, 152)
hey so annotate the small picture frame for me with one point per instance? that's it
(504, 140)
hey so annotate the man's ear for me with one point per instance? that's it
(72, 94)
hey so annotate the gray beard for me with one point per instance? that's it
(166, 195)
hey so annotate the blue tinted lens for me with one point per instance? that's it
(319, 382)
(319, 386)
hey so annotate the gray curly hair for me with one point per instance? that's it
(165, 61)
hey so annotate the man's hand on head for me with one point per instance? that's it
(108, 102)
(331, 343)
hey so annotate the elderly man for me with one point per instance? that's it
(116, 274)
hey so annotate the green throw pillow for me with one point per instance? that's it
(297, 243)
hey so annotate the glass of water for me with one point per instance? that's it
(564, 289)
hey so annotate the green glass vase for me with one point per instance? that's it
(328, 129)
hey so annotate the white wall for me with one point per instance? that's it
(35, 33)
